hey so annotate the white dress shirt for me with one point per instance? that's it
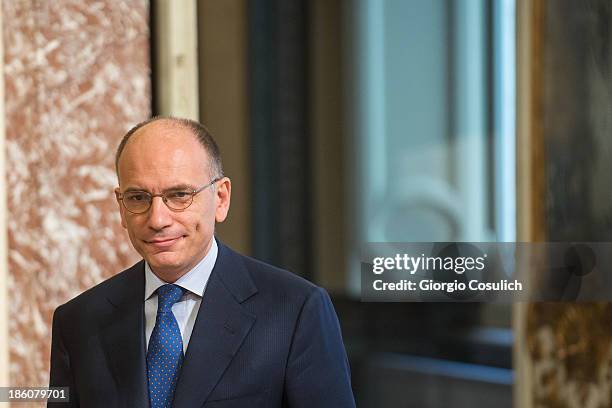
(186, 309)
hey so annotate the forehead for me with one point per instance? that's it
(161, 154)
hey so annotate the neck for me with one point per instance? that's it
(172, 274)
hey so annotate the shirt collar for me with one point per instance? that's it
(194, 281)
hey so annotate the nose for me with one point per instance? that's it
(159, 214)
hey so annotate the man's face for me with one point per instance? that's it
(157, 158)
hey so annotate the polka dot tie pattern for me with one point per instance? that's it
(165, 354)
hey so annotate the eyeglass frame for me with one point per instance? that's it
(164, 198)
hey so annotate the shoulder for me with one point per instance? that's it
(272, 283)
(268, 275)
(128, 280)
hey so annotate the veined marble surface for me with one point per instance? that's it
(77, 76)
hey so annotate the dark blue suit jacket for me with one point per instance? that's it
(263, 337)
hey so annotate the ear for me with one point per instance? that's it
(121, 208)
(223, 194)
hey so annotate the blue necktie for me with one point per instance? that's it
(165, 353)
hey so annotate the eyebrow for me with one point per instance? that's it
(173, 188)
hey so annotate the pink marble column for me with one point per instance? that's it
(77, 76)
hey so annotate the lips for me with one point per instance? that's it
(162, 243)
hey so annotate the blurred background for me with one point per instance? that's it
(341, 122)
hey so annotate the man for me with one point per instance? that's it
(194, 324)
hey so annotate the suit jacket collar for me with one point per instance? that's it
(220, 328)
(230, 269)
(122, 333)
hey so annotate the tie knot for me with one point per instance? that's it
(167, 296)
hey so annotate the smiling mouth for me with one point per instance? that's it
(163, 242)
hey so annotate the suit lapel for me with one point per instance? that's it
(220, 328)
(123, 337)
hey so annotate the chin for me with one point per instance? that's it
(164, 263)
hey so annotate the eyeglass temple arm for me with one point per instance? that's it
(208, 185)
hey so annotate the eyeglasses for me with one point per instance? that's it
(139, 202)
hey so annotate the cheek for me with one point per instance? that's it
(203, 227)
(130, 230)
(204, 221)
(199, 221)
(133, 227)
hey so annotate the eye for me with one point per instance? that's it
(136, 197)
(178, 195)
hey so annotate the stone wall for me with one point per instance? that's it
(77, 76)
